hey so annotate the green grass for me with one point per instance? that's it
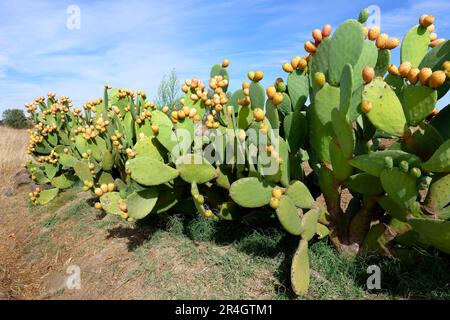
(190, 257)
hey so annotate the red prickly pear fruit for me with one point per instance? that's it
(368, 74)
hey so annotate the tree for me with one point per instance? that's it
(15, 118)
(169, 91)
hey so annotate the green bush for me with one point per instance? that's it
(15, 118)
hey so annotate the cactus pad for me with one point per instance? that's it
(300, 195)
(288, 216)
(300, 269)
(141, 203)
(64, 181)
(435, 232)
(150, 172)
(194, 168)
(250, 192)
(400, 187)
(440, 160)
(309, 223)
(298, 84)
(45, 196)
(418, 102)
(415, 45)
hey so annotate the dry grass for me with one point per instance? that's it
(13, 145)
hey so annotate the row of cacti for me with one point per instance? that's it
(360, 123)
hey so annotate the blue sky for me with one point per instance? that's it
(134, 43)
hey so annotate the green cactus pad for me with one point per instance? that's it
(300, 195)
(435, 232)
(341, 167)
(300, 269)
(319, 116)
(298, 84)
(51, 169)
(346, 88)
(251, 192)
(45, 196)
(387, 112)
(167, 199)
(415, 45)
(245, 117)
(110, 203)
(66, 160)
(286, 106)
(376, 240)
(165, 134)
(64, 181)
(398, 212)
(373, 163)
(418, 102)
(150, 172)
(105, 178)
(141, 203)
(229, 211)
(284, 167)
(383, 61)
(440, 122)
(235, 97)
(423, 140)
(436, 56)
(440, 160)
(368, 58)
(397, 83)
(149, 147)
(309, 222)
(345, 47)
(400, 187)
(296, 129)
(319, 61)
(272, 115)
(365, 184)
(439, 193)
(344, 132)
(194, 168)
(289, 217)
(257, 95)
(82, 170)
(322, 231)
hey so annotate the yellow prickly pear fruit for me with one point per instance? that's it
(392, 43)
(258, 114)
(104, 187)
(446, 68)
(374, 32)
(368, 74)
(430, 28)
(381, 41)
(124, 215)
(111, 187)
(225, 63)
(123, 206)
(165, 109)
(186, 110)
(437, 79)
(287, 67)
(404, 68)
(192, 112)
(392, 69)
(326, 31)
(84, 155)
(366, 31)
(271, 92)
(433, 36)
(274, 203)
(245, 84)
(276, 193)
(317, 35)
(413, 75)
(180, 115)
(197, 118)
(155, 128)
(426, 20)
(277, 98)
(258, 76)
(250, 75)
(424, 75)
(319, 78)
(184, 88)
(98, 192)
(98, 205)
(310, 47)
(302, 64)
(174, 114)
(208, 213)
(295, 61)
(366, 106)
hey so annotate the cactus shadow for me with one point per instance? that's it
(136, 235)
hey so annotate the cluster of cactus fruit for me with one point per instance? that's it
(359, 124)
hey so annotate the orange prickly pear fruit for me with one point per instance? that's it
(258, 76)
(317, 35)
(368, 74)
(258, 114)
(287, 67)
(424, 75)
(437, 79)
(277, 98)
(225, 63)
(104, 187)
(295, 61)
(381, 41)
(392, 43)
(271, 92)
(392, 69)
(426, 20)
(413, 75)
(404, 68)
(310, 47)
(326, 31)
(374, 32)
(366, 106)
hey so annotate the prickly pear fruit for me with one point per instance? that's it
(388, 162)
(368, 74)
(424, 75)
(404, 166)
(437, 79)
(374, 32)
(319, 78)
(366, 106)
(404, 68)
